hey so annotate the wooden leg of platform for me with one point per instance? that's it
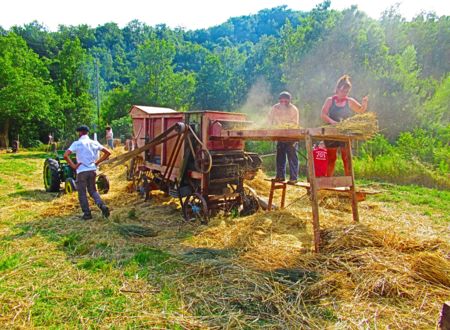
(352, 192)
(269, 204)
(313, 190)
(283, 196)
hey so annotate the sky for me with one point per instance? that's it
(187, 14)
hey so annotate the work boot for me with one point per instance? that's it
(292, 181)
(278, 179)
(105, 210)
(86, 216)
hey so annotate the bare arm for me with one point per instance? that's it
(356, 107)
(105, 154)
(324, 114)
(69, 161)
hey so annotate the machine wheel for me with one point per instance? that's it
(195, 208)
(102, 184)
(250, 204)
(52, 180)
(203, 161)
(70, 186)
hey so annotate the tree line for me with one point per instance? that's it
(49, 81)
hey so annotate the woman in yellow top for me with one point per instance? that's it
(337, 108)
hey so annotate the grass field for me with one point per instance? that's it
(56, 271)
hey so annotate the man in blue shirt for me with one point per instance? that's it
(86, 167)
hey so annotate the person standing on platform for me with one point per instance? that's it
(335, 109)
(285, 115)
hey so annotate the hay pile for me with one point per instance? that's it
(373, 274)
(363, 276)
(364, 125)
(390, 271)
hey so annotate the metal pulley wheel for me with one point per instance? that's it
(195, 208)
(203, 161)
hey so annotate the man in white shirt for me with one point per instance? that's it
(86, 167)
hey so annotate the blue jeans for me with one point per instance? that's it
(110, 143)
(289, 150)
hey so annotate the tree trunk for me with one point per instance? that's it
(4, 132)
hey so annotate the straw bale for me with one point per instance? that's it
(364, 125)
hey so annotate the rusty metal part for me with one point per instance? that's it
(195, 208)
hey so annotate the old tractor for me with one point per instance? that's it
(57, 170)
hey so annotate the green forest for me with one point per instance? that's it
(54, 81)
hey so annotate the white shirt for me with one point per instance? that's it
(109, 134)
(87, 153)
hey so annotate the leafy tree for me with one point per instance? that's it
(211, 90)
(37, 38)
(72, 83)
(26, 97)
(155, 80)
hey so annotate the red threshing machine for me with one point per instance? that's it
(175, 154)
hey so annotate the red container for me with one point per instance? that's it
(320, 161)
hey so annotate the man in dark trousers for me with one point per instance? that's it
(86, 167)
(285, 115)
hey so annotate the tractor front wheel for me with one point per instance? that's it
(52, 181)
(70, 186)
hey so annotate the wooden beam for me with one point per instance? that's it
(444, 321)
(324, 133)
(334, 182)
(313, 188)
(353, 196)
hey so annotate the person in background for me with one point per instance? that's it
(109, 137)
(335, 109)
(87, 153)
(284, 114)
(320, 159)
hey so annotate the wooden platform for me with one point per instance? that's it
(360, 194)
(343, 184)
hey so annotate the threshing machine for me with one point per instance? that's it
(174, 153)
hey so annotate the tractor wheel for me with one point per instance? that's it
(102, 184)
(70, 186)
(52, 180)
(195, 208)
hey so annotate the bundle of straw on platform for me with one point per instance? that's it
(365, 125)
